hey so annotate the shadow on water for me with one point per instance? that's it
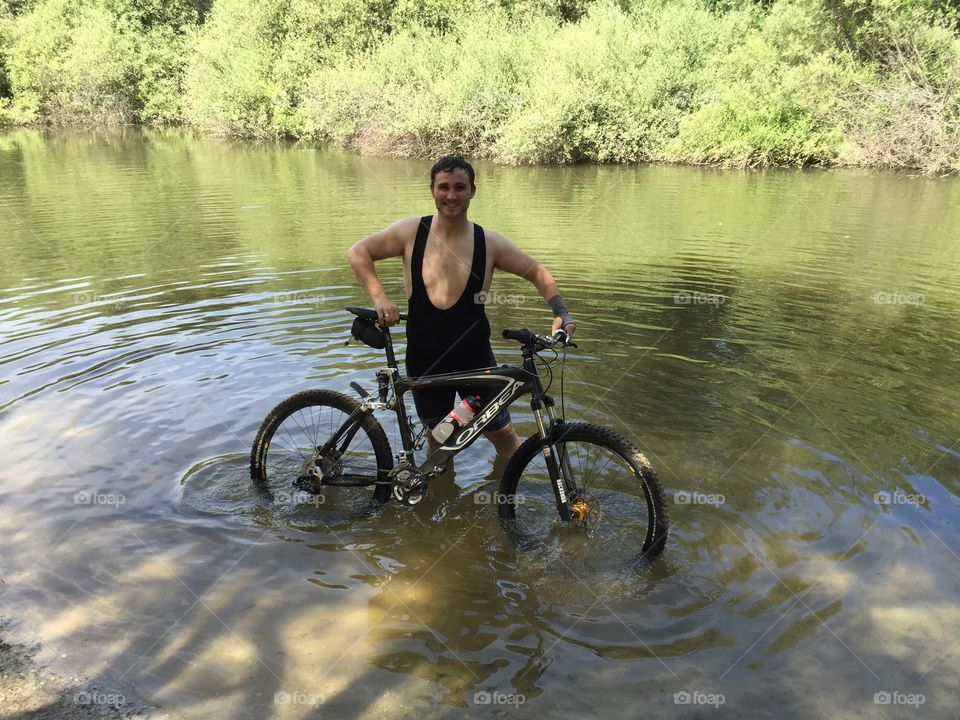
(425, 604)
(453, 603)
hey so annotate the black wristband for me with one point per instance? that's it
(559, 308)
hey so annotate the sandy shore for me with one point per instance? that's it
(29, 690)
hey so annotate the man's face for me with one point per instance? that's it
(452, 192)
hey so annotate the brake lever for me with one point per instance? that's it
(563, 338)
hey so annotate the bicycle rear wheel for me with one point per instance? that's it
(285, 463)
(609, 483)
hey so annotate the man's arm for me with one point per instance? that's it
(512, 259)
(387, 243)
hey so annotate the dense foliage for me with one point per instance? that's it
(863, 82)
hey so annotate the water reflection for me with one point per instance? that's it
(160, 293)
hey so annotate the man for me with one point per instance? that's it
(448, 263)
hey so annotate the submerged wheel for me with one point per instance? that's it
(284, 462)
(613, 493)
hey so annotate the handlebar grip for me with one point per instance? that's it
(521, 335)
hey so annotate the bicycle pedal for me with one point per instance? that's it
(415, 497)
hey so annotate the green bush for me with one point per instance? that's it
(81, 60)
(771, 98)
(610, 88)
(66, 58)
(746, 82)
(615, 87)
(248, 63)
(6, 31)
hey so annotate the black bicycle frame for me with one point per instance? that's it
(513, 382)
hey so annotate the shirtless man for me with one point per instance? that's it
(448, 263)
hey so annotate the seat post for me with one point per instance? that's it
(391, 358)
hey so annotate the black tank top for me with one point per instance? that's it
(457, 338)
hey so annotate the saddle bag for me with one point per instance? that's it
(367, 332)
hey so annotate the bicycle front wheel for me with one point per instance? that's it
(610, 486)
(286, 464)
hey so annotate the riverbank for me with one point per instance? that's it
(790, 82)
(28, 689)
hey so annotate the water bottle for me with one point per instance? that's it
(458, 417)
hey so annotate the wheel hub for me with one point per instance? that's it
(314, 470)
(583, 511)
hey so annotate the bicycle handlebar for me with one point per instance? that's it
(540, 342)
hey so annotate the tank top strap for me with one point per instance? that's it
(478, 268)
(418, 289)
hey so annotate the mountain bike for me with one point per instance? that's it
(566, 475)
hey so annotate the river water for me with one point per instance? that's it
(782, 345)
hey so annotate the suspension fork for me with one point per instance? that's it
(556, 428)
(558, 465)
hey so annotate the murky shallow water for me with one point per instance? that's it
(783, 346)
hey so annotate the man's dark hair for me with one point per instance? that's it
(449, 163)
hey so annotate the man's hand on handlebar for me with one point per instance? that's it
(387, 312)
(569, 328)
(562, 337)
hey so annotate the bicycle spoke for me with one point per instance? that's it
(608, 495)
(287, 451)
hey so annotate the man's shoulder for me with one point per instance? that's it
(405, 228)
(494, 239)
(408, 222)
